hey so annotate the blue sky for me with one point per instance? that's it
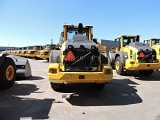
(35, 22)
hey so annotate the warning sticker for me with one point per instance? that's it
(70, 56)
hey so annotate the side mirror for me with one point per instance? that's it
(144, 41)
(95, 40)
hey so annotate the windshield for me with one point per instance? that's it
(155, 41)
(128, 40)
(29, 48)
(25, 48)
(74, 31)
(48, 47)
(37, 48)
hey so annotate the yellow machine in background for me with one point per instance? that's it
(133, 55)
(155, 44)
(16, 51)
(44, 54)
(23, 53)
(79, 60)
(19, 50)
(33, 52)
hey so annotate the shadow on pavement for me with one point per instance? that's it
(30, 78)
(154, 77)
(117, 92)
(13, 107)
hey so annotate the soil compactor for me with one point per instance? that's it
(11, 68)
(132, 55)
(79, 60)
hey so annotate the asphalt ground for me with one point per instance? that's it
(131, 97)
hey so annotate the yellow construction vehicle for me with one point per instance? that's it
(32, 53)
(26, 51)
(18, 51)
(23, 53)
(12, 51)
(155, 44)
(133, 55)
(44, 53)
(79, 60)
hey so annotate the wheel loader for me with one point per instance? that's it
(155, 44)
(44, 54)
(23, 53)
(19, 51)
(11, 68)
(26, 51)
(133, 55)
(32, 53)
(81, 59)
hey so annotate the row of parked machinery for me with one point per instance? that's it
(36, 52)
(80, 58)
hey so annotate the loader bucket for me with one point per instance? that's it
(23, 68)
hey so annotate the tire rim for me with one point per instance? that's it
(117, 65)
(10, 72)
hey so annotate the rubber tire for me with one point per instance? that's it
(120, 71)
(56, 86)
(104, 60)
(4, 82)
(146, 72)
(98, 86)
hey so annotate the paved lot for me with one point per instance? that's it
(125, 98)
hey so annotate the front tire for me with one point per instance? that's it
(7, 73)
(119, 66)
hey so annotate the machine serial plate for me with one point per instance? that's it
(81, 76)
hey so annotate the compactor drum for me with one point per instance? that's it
(11, 68)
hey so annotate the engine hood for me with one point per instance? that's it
(157, 44)
(140, 46)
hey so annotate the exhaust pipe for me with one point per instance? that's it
(23, 68)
